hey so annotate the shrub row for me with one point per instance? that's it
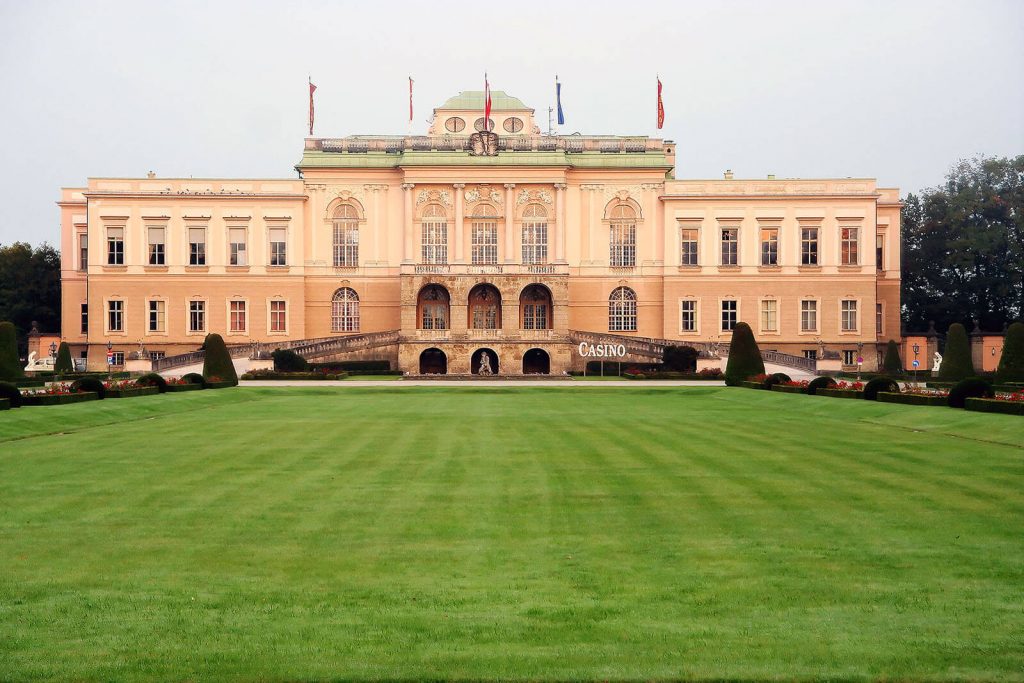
(912, 399)
(58, 399)
(5, 404)
(275, 375)
(358, 367)
(988, 405)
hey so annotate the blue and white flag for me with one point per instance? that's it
(558, 96)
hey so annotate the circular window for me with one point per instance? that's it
(513, 124)
(479, 124)
(454, 125)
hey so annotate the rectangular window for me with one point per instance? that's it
(117, 358)
(808, 246)
(688, 246)
(769, 246)
(729, 309)
(83, 251)
(115, 246)
(849, 357)
(879, 252)
(622, 245)
(811, 354)
(115, 316)
(85, 318)
(849, 315)
(769, 315)
(688, 316)
(157, 316)
(197, 246)
(236, 247)
(279, 246)
(808, 316)
(278, 316)
(730, 247)
(156, 246)
(435, 317)
(535, 316)
(849, 238)
(196, 316)
(484, 243)
(878, 319)
(157, 355)
(237, 315)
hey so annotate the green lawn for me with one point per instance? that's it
(509, 533)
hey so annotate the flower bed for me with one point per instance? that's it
(997, 405)
(41, 399)
(274, 375)
(752, 385)
(914, 398)
(220, 384)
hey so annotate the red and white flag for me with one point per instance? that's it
(487, 103)
(312, 89)
(410, 99)
(661, 106)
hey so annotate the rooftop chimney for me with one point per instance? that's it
(771, 176)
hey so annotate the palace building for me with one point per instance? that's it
(480, 239)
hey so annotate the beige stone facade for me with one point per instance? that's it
(507, 241)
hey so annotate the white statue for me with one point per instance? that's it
(485, 364)
(936, 361)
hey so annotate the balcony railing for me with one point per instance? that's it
(485, 269)
(571, 144)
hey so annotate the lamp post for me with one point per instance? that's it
(110, 356)
(53, 350)
(916, 348)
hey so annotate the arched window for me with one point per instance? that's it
(484, 308)
(433, 304)
(345, 311)
(435, 235)
(346, 236)
(623, 237)
(535, 308)
(535, 234)
(622, 310)
(485, 235)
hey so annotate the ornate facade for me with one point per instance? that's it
(479, 240)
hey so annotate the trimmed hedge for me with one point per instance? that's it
(130, 393)
(286, 360)
(956, 361)
(789, 389)
(752, 385)
(59, 399)
(819, 383)
(175, 388)
(744, 356)
(63, 362)
(911, 399)
(5, 404)
(271, 375)
(679, 358)
(90, 384)
(878, 384)
(194, 378)
(30, 383)
(152, 379)
(839, 393)
(776, 378)
(1011, 362)
(10, 365)
(972, 387)
(10, 392)
(217, 361)
(892, 365)
(991, 405)
(358, 367)
(220, 385)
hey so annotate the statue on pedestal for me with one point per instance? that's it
(936, 361)
(485, 364)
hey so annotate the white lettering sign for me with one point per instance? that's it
(602, 350)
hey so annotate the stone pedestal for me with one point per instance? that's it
(138, 365)
(261, 364)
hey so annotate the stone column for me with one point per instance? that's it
(459, 221)
(375, 227)
(407, 223)
(559, 236)
(510, 204)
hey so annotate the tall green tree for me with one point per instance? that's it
(10, 364)
(957, 363)
(30, 288)
(63, 362)
(963, 246)
(1011, 362)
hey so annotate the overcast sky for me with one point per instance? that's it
(893, 90)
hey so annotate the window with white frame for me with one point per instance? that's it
(434, 247)
(345, 311)
(849, 238)
(157, 247)
(535, 234)
(769, 246)
(115, 315)
(278, 246)
(809, 315)
(237, 316)
(688, 315)
(622, 238)
(346, 236)
(730, 308)
(83, 251)
(808, 246)
(622, 310)
(730, 246)
(157, 316)
(484, 236)
(115, 246)
(117, 358)
(769, 315)
(811, 354)
(278, 316)
(688, 242)
(197, 246)
(848, 314)
(237, 252)
(196, 316)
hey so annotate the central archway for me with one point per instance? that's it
(536, 362)
(433, 362)
(476, 362)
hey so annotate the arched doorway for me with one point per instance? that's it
(433, 362)
(536, 362)
(535, 308)
(484, 308)
(433, 306)
(479, 366)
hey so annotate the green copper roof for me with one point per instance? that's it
(474, 99)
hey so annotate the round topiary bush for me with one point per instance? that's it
(892, 365)
(744, 356)
(63, 362)
(10, 365)
(877, 384)
(11, 393)
(972, 387)
(956, 361)
(819, 383)
(152, 379)
(193, 378)
(1011, 362)
(776, 378)
(286, 360)
(89, 384)
(217, 364)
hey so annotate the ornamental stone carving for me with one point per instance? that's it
(442, 196)
(526, 196)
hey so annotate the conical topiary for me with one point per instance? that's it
(892, 365)
(10, 364)
(956, 361)
(217, 365)
(64, 362)
(744, 356)
(1011, 363)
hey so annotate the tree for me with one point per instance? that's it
(956, 361)
(217, 364)
(744, 356)
(892, 365)
(10, 363)
(64, 362)
(679, 358)
(30, 288)
(963, 246)
(1011, 362)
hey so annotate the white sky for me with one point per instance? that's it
(893, 90)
